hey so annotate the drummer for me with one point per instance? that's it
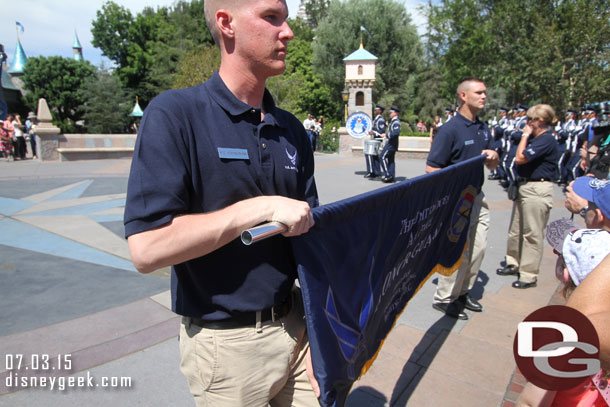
(373, 169)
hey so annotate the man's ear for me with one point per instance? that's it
(600, 219)
(224, 23)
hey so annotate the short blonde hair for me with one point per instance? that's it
(543, 112)
(209, 9)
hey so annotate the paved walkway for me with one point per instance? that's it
(67, 287)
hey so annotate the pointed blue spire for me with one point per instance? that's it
(76, 41)
(77, 49)
(137, 110)
(19, 60)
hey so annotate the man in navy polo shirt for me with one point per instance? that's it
(209, 162)
(462, 138)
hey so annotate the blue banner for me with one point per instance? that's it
(367, 256)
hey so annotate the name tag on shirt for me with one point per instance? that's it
(468, 142)
(233, 153)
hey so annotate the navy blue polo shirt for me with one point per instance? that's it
(199, 150)
(458, 140)
(542, 154)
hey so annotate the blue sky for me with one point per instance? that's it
(50, 24)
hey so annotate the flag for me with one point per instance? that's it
(365, 30)
(19, 25)
(367, 256)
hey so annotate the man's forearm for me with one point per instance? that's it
(190, 236)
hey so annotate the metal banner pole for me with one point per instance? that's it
(261, 232)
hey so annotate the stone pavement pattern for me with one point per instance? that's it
(67, 287)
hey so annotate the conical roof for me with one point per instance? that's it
(137, 110)
(76, 42)
(19, 60)
(360, 55)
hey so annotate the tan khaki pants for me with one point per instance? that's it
(462, 281)
(530, 215)
(243, 367)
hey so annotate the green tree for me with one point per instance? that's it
(197, 67)
(106, 104)
(111, 32)
(549, 51)
(429, 101)
(393, 39)
(149, 47)
(316, 10)
(311, 95)
(459, 41)
(58, 80)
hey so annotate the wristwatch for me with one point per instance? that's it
(583, 211)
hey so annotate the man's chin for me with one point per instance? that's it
(277, 70)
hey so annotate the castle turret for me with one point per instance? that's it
(19, 60)
(77, 49)
(359, 80)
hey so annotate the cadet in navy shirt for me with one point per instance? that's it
(536, 160)
(209, 162)
(459, 139)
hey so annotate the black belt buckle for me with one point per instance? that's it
(247, 318)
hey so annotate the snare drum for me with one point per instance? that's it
(371, 147)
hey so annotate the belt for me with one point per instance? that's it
(539, 180)
(245, 319)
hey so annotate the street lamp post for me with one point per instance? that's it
(345, 95)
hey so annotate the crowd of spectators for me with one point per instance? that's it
(15, 135)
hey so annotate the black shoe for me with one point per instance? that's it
(470, 303)
(521, 284)
(507, 271)
(387, 180)
(453, 309)
(368, 175)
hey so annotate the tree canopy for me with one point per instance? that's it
(58, 80)
(549, 51)
(148, 48)
(106, 104)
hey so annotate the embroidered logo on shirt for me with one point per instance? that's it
(292, 158)
(293, 161)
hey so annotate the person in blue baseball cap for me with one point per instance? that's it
(597, 193)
